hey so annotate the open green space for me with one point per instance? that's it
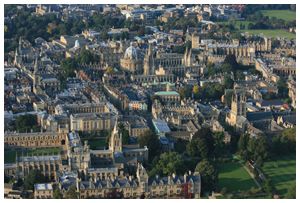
(10, 154)
(236, 23)
(282, 171)
(96, 140)
(286, 15)
(96, 143)
(272, 33)
(234, 177)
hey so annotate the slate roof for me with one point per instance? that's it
(255, 116)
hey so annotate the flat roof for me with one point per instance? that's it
(166, 93)
(43, 186)
(161, 126)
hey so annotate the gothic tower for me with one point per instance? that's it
(187, 58)
(142, 177)
(238, 104)
(115, 143)
(149, 62)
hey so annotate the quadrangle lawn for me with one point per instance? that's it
(282, 172)
(10, 154)
(234, 177)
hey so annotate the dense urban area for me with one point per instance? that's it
(150, 101)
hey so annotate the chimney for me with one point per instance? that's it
(169, 179)
(185, 177)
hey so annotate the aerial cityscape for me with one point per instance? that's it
(171, 101)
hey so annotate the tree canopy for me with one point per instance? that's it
(150, 140)
(209, 175)
(167, 164)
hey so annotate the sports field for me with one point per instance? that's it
(282, 172)
(272, 33)
(286, 15)
(234, 177)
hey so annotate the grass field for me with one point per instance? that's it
(234, 177)
(272, 33)
(282, 172)
(10, 155)
(96, 143)
(237, 23)
(286, 15)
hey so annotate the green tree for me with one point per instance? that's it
(57, 194)
(209, 175)
(202, 144)
(71, 193)
(242, 146)
(228, 82)
(150, 140)
(125, 133)
(291, 194)
(196, 91)
(27, 123)
(282, 88)
(33, 177)
(167, 164)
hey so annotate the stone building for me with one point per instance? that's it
(43, 191)
(132, 60)
(88, 122)
(49, 165)
(186, 186)
(37, 139)
(237, 115)
(168, 97)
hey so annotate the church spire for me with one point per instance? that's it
(115, 143)
(36, 68)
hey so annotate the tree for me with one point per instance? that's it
(282, 88)
(86, 57)
(180, 145)
(291, 194)
(57, 194)
(167, 164)
(258, 149)
(228, 82)
(125, 133)
(68, 66)
(242, 146)
(219, 145)
(33, 177)
(202, 144)
(71, 193)
(209, 175)
(27, 123)
(150, 140)
(196, 91)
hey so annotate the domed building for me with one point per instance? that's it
(132, 60)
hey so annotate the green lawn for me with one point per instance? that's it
(282, 172)
(96, 143)
(237, 23)
(234, 177)
(286, 15)
(10, 155)
(272, 33)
